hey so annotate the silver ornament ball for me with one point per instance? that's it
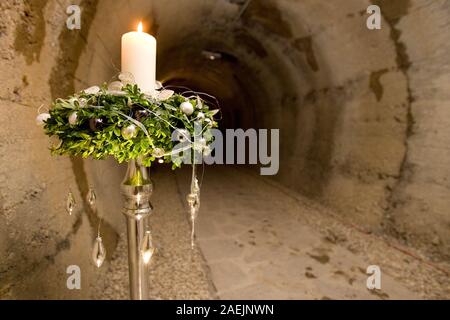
(187, 108)
(115, 86)
(129, 132)
(73, 118)
(41, 118)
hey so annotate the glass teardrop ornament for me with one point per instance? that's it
(147, 249)
(70, 203)
(99, 252)
(91, 197)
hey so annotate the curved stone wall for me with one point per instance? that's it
(363, 114)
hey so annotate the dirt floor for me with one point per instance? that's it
(258, 240)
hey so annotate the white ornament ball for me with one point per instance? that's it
(129, 132)
(82, 102)
(41, 118)
(73, 118)
(115, 86)
(92, 90)
(201, 116)
(187, 108)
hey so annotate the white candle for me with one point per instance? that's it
(139, 58)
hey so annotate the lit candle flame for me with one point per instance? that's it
(140, 27)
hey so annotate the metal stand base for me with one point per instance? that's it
(137, 189)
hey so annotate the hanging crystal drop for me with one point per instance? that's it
(99, 252)
(91, 197)
(193, 200)
(147, 248)
(194, 205)
(70, 203)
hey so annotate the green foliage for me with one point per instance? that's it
(113, 109)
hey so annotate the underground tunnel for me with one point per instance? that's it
(363, 173)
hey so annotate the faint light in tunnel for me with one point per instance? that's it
(211, 55)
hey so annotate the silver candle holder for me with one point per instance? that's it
(137, 189)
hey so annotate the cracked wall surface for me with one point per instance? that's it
(363, 114)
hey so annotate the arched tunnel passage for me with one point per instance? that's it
(259, 85)
(277, 71)
(355, 139)
(220, 80)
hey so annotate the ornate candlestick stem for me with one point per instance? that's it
(137, 189)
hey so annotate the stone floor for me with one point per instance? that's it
(258, 240)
